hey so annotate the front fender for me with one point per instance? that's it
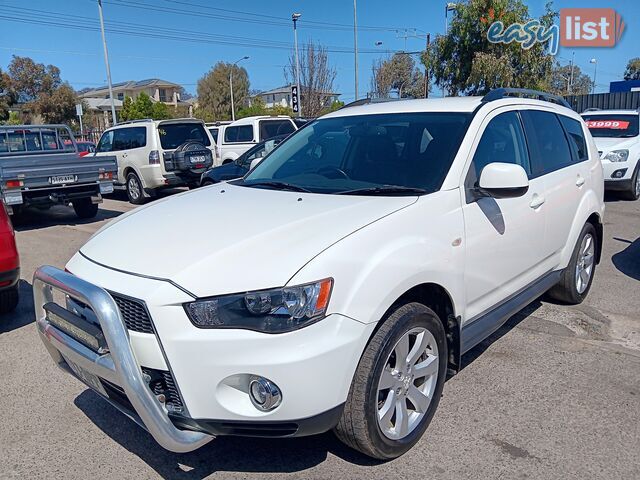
(375, 265)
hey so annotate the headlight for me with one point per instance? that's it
(270, 311)
(617, 155)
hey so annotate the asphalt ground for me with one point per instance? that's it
(553, 394)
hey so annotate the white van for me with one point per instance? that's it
(154, 154)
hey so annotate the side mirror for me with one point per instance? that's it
(503, 180)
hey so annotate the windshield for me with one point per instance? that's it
(172, 135)
(612, 126)
(412, 151)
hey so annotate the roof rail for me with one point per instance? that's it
(368, 100)
(499, 93)
(135, 121)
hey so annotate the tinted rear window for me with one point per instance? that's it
(239, 134)
(214, 134)
(547, 142)
(273, 128)
(129, 138)
(576, 137)
(172, 135)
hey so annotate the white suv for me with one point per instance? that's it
(617, 136)
(336, 284)
(238, 137)
(154, 154)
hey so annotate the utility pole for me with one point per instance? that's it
(573, 54)
(295, 18)
(426, 69)
(233, 110)
(106, 61)
(355, 45)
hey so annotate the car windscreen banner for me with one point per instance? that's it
(610, 124)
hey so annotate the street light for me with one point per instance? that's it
(355, 45)
(595, 69)
(449, 7)
(295, 17)
(233, 110)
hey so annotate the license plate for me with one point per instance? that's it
(106, 187)
(87, 378)
(59, 179)
(198, 159)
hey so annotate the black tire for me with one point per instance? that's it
(135, 192)
(84, 208)
(566, 290)
(358, 427)
(9, 300)
(634, 191)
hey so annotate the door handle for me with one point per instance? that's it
(537, 201)
(580, 181)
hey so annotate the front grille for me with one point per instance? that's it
(134, 313)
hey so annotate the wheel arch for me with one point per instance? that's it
(595, 220)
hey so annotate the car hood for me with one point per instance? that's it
(606, 144)
(227, 239)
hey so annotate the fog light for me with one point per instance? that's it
(619, 173)
(265, 395)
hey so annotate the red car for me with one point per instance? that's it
(9, 264)
(85, 148)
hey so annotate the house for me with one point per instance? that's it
(159, 91)
(282, 96)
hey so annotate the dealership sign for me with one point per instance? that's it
(579, 27)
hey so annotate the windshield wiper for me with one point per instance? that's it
(385, 190)
(278, 185)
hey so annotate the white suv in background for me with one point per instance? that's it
(238, 137)
(155, 154)
(617, 136)
(336, 284)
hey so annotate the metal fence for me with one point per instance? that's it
(605, 101)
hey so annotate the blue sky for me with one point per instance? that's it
(78, 52)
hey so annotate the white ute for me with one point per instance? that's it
(337, 283)
(617, 136)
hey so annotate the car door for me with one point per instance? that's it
(504, 237)
(558, 151)
(106, 147)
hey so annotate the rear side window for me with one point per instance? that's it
(214, 134)
(172, 135)
(129, 138)
(547, 142)
(239, 134)
(576, 138)
(106, 142)
(502, 141)
(273, 128)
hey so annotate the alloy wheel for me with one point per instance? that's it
(407, 383)
(584, 266)
(134, 188)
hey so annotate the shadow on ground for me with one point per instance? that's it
(23, 314)
(33, 218)
(628, 260)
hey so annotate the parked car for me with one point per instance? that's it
(9, 264)
(215, 128)
(241, 135)
(85, 148)
(40, 166)
(241, 165)
(336, 285)
(617, 136)
(155, 154)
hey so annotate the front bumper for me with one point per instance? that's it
(118, 365)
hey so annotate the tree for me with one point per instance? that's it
(6, 97)
(464, 61)
(143, 107)
(30, 79)
(397, 73)
(633, 69)
(58, 106)
(316, 78)
(214, 94)
(561, 78)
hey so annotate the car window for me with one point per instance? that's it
(106, 142)
(576, 138)
(172, 135)
(214, 133)
(338, 154)
(502, 141)
(129, 138)
(273, 128)
(238, 134)
(547, 142)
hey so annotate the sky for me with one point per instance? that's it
(182, 39)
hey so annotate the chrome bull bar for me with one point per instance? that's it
(118, 365)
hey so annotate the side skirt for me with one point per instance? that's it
(479, 328)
